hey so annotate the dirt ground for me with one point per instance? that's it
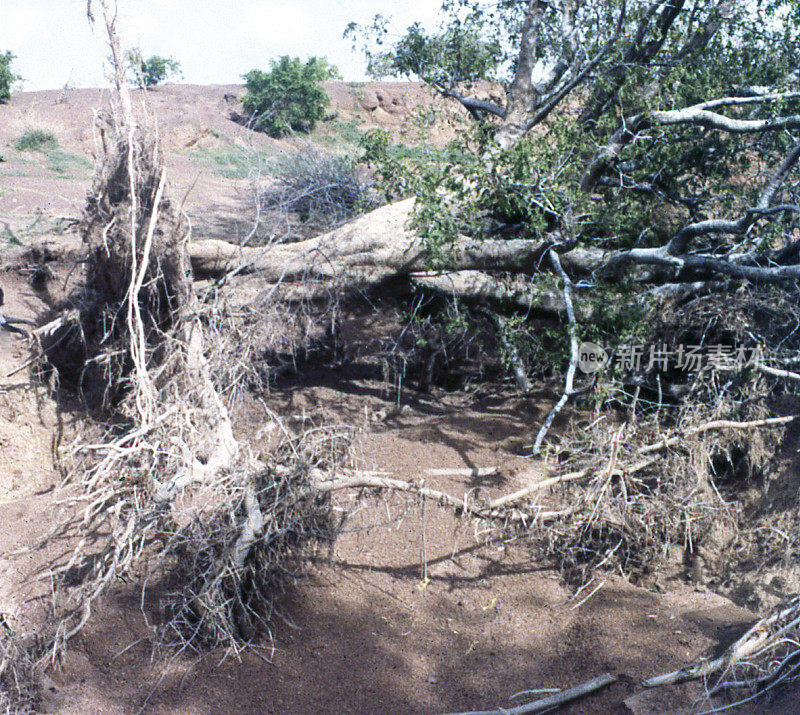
(410, 610)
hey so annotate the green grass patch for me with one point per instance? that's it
(8, 235)
(230, 164)
(339, 136)
(65, 164)
(37, 140)
(230, 161)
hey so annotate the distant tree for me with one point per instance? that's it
(7, 77)
(154, 70)
(288, 97)
(457, 54)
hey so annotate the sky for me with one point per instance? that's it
(216, 41)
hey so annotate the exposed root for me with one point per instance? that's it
(168, 480)
(767, 656)
(18, 692)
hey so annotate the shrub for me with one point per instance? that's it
(7, 77)
(289, 97)
(323, 190)
(37, 140)
(154, 70)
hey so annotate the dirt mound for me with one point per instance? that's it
(210, 156)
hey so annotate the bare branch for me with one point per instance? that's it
(763, 634)
(696, 115)
(465, 505)
(690, 265)
(553, 701)
(574, 356)
(476, 107)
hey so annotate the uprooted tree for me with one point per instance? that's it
(629, 173)
(648, 148)
(134, 348)
(638, 182)
(638, 185)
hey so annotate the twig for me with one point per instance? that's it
(775, 372)
(461, 506)
(553, 701)
(577, 605)
(765, 631)
(715, 425)
(509, 499)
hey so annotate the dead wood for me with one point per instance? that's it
(553, 701)
(763, 657)
(666, 443)
(135, 338)
(466, 505)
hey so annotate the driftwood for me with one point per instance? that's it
(763, 639)
(464, 505)
(553, 701)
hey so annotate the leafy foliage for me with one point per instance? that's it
(655, 56)
(153, 70)
(36, 140)
(289, 97)
(7, 77)
(457, 54)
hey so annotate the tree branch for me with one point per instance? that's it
(589, 67)
(639, 52)
(476, 107)
(574, 356)
(695, 115)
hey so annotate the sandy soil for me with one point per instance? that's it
(410, 611)
(366, 631)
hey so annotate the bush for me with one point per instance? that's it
(154, 70)
(289, 97)
(37, 140)
(7, 77)
(322, 190)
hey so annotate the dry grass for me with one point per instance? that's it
(695, 496)
(314, 191)
(18, 690)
